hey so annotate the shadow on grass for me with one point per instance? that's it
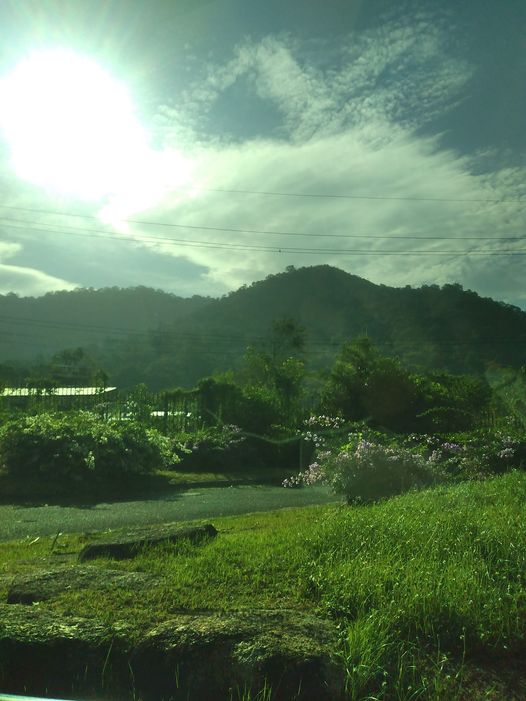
(84, 496)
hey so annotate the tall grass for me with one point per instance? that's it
(422, 580)
(425, 587)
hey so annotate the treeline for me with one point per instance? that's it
(276, 385)
(148, 336)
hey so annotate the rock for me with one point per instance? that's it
(216, 656)
(26, 589)
(128, 544)
(44, 654)
(212, 656)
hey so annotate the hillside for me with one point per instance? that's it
(40, 326)
(147, 335)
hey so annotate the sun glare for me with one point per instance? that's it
(73, 129)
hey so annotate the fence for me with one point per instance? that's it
(177, 411)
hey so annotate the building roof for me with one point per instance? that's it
(54, 391)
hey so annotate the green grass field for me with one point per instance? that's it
(428, 589)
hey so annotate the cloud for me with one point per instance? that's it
(399, 71)
(354, 119)
(26, 281)
(370, 162)
(352, 127)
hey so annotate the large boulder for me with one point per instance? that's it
(45, 654)
(203, 656)
(213, 656)
(27, 589)
(127, 544)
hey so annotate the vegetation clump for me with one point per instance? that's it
(80, 447)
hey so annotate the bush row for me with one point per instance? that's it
(80, 447)
(371, 465)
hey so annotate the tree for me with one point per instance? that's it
(365, 385)
(74, 366)
(278, 367)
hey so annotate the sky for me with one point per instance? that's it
(196, 145)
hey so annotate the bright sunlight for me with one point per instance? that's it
(73, 129)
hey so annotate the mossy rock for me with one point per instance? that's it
(212, 656)
(43, 653)
(127, 544)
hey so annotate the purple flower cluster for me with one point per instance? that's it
(314, 474)
(324, 421)
(345, 469)
(451, 447)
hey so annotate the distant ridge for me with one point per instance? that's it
(141, 334)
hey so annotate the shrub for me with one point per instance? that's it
(228, 448)
(475, 454)
(208, 448)
(80, 447)
(366, 471)
(253, 409)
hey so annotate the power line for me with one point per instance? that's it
(174, 335)
(265, 232)
(401, 198)
(186, 243)
(98, 328)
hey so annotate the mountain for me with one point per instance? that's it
(40, 326)
(151, 336)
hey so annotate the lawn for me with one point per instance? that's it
(428, 589)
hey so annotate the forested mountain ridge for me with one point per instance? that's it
(145, 335)
(31, 326)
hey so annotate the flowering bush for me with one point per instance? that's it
(365, 471)
(473, 455)
(79, 446)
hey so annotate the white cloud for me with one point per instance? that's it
(26, 281)
(351, 119)
(8, 249)
(369, 161)
(29, 282)
(399, 72)
(348, 129)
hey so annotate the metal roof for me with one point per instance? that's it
(54, 391)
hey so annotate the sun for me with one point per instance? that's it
(71, 127)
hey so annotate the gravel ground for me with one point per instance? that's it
(19, 521)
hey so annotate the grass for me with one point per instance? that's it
(428, 589)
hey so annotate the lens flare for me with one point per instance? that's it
(73, 129)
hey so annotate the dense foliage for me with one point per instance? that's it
(364, 384)
(388, 428)
(143, 335)
(79, 447)
(370, 465)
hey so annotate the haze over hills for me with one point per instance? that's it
(145, 335)
(33, 326)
